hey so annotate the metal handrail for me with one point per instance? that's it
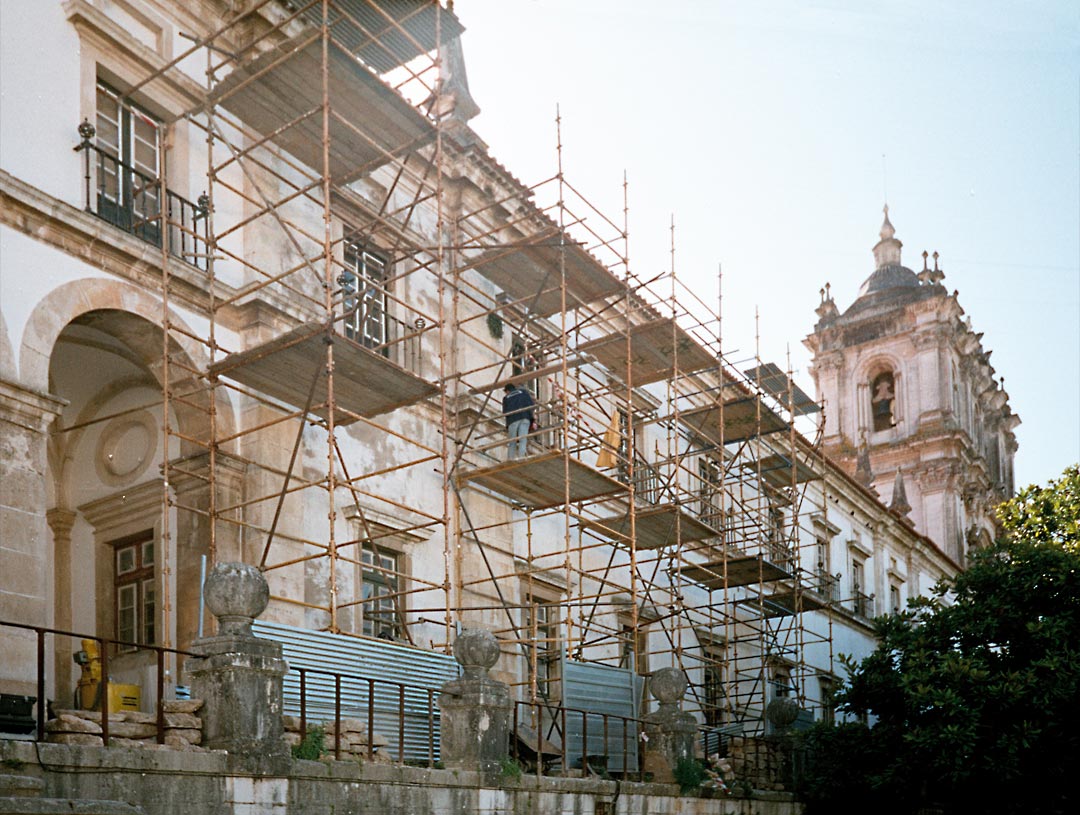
(42, 702)
(135, 206)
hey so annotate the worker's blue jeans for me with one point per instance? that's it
(518, 432)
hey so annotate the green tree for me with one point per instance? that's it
(975, 690)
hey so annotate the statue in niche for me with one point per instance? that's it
(883, 395)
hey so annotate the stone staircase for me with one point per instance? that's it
(21, 795)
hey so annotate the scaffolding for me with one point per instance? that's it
(374, 279)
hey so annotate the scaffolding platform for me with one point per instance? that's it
(387, 35)
(365, 382)
(783, 604)
(370, 122)
(745, 570)
(777, 471)
(531, 273)
(655, 527)
(537, 481)
(740, 420)
(658, 350)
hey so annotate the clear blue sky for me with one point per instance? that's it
(761, 127)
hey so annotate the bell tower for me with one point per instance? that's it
(912, 406)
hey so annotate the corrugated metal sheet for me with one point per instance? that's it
(601, 689)
(364, 29)
(398, 670)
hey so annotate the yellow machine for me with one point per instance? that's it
(88, 692)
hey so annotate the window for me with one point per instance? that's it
(135, 590)
(128, 141)
(828, 687)
(363, 286)
(894, 598)
(883, 400)
(380, 587)
(713, 685)
(709, 504)
(860, 601)
(634, 648)
(542, 633)
(782, 686)
(523, 360)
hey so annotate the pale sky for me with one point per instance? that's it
(760, 126)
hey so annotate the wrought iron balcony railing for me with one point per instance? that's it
(131, 200)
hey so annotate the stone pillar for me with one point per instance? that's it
(61, 521)
(475, 709)
(238, 675)
(25, 416)
(670, 730)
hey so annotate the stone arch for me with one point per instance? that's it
(7, 353)
(125, 311)
(878, 384)
(132, 320)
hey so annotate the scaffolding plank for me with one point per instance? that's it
(740, 420)
(744, 570)
(365, 382)
(266, 98)
(655, 527)
(657, 349)
(783, 604)
(531, 272)
(782, 388)
(777, 471)
(537, 482)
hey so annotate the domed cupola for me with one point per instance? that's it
(888, 271)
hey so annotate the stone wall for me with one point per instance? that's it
(130, 728)
(172, 782)
(758, 762)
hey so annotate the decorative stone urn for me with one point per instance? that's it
(475, 709)
(236, 594)
(670, 730)
(238, 675)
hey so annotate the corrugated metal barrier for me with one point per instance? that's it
(602, 689)
(396, 677)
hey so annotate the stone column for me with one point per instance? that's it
(670, 730)
(61, 522)
(475, 709)
(25, 416)
(238, 675)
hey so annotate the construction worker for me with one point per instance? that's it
(518, 410)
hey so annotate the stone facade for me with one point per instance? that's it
(913, 407)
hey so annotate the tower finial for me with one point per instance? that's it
(887, 250)
(887, 229)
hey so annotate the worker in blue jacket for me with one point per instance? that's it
(518, 410)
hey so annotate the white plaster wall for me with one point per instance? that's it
(39, 97)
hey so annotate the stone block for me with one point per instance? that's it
(69, 723)
(185, 720)
(183, 705)
(85, 739)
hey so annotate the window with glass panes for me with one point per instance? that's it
(713, 685)
(364, 296)
(709, 491)
(380, 589)
(135, 590)
(542, 631)
(128, 141)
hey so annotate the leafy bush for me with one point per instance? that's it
(313, 745)
(689, 775)
(973, 690)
